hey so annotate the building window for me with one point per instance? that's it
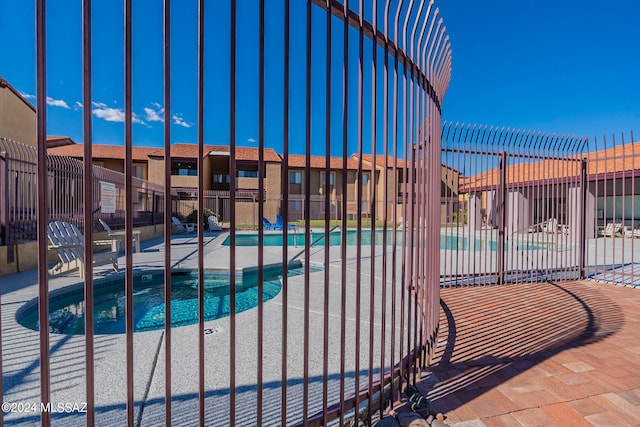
(295, 177)
(220, 178)
(244, 173)
(365, 179)
(184, 168)
(323, 178)
(138, 172)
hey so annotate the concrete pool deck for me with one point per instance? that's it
(21, 345)
(21, 352)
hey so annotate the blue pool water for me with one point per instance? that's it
(67, 306)
(447, 241)
(317, 238)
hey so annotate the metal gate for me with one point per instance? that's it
(517, 203)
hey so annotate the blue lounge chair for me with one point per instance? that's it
(267, 224)
(279, 224)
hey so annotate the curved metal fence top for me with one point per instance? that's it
(17, 150)
(426, 57)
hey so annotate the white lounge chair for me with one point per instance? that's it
(612, 229)
(214, 225)
(550, 225)
(187, 227)
(118, 236)
(67, 240)
(632, 232)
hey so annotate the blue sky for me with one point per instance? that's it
(557, 66)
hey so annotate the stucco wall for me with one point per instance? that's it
(17, 119)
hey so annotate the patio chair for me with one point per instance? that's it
(267, 224)
(612, 229)
(279, 224)
(550, 225)
(118, 236)
(187, 227)
(214, 225)
(67, 240)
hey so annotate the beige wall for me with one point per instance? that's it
(156, 170)
(17, 119)
(247, 183)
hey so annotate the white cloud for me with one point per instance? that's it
(99, 104)
(57, 103)
(78, 105)
(178, 120)
(154, 115)
(113, 114)
(27, 95)
(251, 140)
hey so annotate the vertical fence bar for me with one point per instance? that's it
(604, 198)
(327, 216)
(592, 171)
(372, 202)
(477, 180)
(405, 184)
(307, 213)
(410, 206)
(583, 224)
(285, 211)
(232, 212)
(43, 217)
(485, 266)
(88, 210)
(359, 182)
(167, 209)
(128, 213)
(634, 230)
(415, 126)
(343, 242)
(201, 187)
(614, 195)
(385, 212)
(261, 177)
(502, 215)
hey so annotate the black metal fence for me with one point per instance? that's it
(65, 201)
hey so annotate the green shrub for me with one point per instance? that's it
(193, 216)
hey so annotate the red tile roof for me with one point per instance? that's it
(58, 141)
(319, 162)
(102, 151)
(190, 151)
(621, 158)
(380, 161)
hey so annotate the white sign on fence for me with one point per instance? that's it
(107, 197)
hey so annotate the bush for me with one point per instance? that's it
(193, 216)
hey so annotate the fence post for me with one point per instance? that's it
(583, 221)
(4, 207)
(502, 215)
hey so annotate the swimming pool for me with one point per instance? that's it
(447, 241)
(66, 305)
(317, 238)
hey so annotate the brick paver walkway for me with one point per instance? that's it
(563, 354)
